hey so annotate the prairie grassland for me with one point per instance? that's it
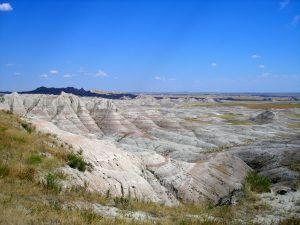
(249, 105)
(234, 119)
(295, 125)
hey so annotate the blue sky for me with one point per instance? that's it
(197, 46)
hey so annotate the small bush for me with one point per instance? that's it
(258, 183)
(77, 162)
(122, 202)
(90, 217)
(28, 127)
(51, 183)
(34, 159)
(4, 170)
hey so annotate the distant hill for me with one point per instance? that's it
(78, 92)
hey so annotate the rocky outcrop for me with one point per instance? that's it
(264, 117)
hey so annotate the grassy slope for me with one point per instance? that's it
(30, 192)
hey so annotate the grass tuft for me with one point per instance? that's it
(34, 159)
(122, 202)
(258, 183)
(25, 172)
(28, 127)
(51, 182)
(77, 162)
(4, 170)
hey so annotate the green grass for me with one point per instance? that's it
(76, 161)
(258, 183)
(4, 170)
(51, 182)
(28, 127)
(34, 159)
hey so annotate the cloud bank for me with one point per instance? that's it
(5, 7)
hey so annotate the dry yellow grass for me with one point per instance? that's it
(252, 105)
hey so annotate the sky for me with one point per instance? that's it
(151, 46)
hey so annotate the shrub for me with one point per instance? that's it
(258, 183)
(28, 127)
(122, 202)
(51, 182)
(77, 162)
(4, 170)
(90, 217)
(34, 159)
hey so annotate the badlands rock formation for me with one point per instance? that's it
(162, 150)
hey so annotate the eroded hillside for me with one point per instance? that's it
(170, 150)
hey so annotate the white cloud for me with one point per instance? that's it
(296, 20)
(17, 73)
(5, 7)
(213, 64)
(67, 76)
(261, 66)
(265, 74)
(101, 73)
(44, 76)
(9, 64)
(81, 70)
(284, 3)
(54, 72)
(162, 78)
(255, 56)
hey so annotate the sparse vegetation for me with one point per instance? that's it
(198, 120)
(295, 167)
(252, 105)
(122, 202)
(30, 182)
(34, 159)
(290, 221)
(4, 170)
(28, 127)
(295, 125)
(258, 183)
(51, 182)
(294, 116)
(76, 161)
